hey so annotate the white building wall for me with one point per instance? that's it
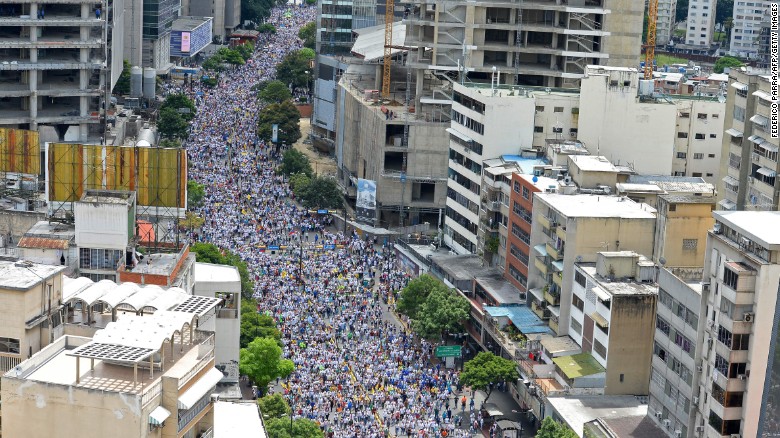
(747, 27)
(698, 138)
(701, 22)
(665, 22)
(104, 226)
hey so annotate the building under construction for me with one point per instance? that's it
(55, 68)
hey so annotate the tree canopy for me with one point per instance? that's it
(485, 370)
(726, 62)
(302, 428)
(416, 292)
(308, 33)
(258, 10)
(294, 162)
(262, 362)
(195, 193)
(180, 101)
(123, 84)
(274, 92)
(295, 68)
(552, 429)
(256, 325)
(723, 10)
(444, 310)
(273, 406)
(171, 124)
(284, 114)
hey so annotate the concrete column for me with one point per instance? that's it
(378, 77)
(33, 13)
(84, 33)
(84, 10)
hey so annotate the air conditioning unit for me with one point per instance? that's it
(744, 241)
(658, 414)
(696, 399)
(748, 317)
(699, 369)
(667, 422)
(716, 228)
(742, 377)
(678, 433)
(699, 429)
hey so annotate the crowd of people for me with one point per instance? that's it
(358, 372)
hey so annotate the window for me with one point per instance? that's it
(538, 129)
(713, 135)
(526, 193)
(698, 156)
(709, 174)
(518, 254)
(622, 376)
(539, 109)
(579, 277)
(685, 115)
(710, 155)
(716, 116)
(577, 302)
(682, 155)
(557, 130)
(576, 326)
(701, 116)
(682, 135)
(690, 244)
(600, 349)
(516, 187)
(558, 109)
(730, 278)
(699, 136)
(662, 325)
(519, 276)
(9, 345)
(696, 174)
(573, 132)
(521, 234)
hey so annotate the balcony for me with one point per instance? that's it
(227, 313)
(543, 221)
(554, 324)
(185, 417)
(552, 298)
(491, 205)
(556, 254)
(541, 265)
(540, 311)
(561, 233)
(9, 361)
(557, 279)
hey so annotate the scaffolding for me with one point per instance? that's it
(157, 175)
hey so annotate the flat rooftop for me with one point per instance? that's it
(542, 182)
(461, 267)
(513, 163)
(108, 197)
(687, 198)
(576, 411)
(567, 147)
(503, 291)
(762, 227)
(158, 264)
(237, 419)
(25, 275)
(213, 273)
(189, 23)
(597, 206)
(593, 163)
(674, 184)
(619, 286)
(52, 230)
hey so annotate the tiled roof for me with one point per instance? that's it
(42, 243)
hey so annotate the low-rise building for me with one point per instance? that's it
(681, 231)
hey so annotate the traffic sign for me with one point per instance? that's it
(448, 351)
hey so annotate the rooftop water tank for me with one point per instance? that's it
(146, 137)
(136, 81)
(150, 82)
(646, 87)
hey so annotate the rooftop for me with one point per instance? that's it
(108, 197)
(237, 419)
(687, 198)
(521, 317)
(597, 206)
(52, 230)
(674, 184)
(619, 286)
(578, 365)
(159, 264)
(370, 43)
(760, 226)
(541, 182)
(513, 163)
(560, 344)
(189, 23)
(213, 273)
(24, 275)
(503, 291)
(461, 267)
(43, 243)
(576, 411)
(567, 147)
(593, 163)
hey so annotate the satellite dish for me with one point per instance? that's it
(721, 99)
(662, 261)
(578, 259)
(535, 179)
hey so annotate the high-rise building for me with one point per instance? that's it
(530, 43)
(701, 23)
(226, 14)
(749, 165)
(665, 22)
(148, 39)
(56, 63)
(737, 392)
(746, 28)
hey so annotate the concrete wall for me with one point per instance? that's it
(101, 226)
(18, 307)
(707, 164)
(688, 221)
(625, 24)
(16, 223)
(631, 329)
(613, 123)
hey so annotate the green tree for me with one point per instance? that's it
(295, 68)
(726, 61)
(274, 92)
(258, 10)
(195, 194)
(262, 362)
(171, 124)
(320, 193)
(723, 10)
(245, 50)
(299, 183)
(284, 114)
(681, 11)
(215, 63)
(170, 143)
(273, 406)
(491, 245)
(294, 162)
(178, 101)
(416, 292)
(308, 33)
(728, 24)
(231, 56)
(256, 325)
(192, 221)
(552, 429)
(443, 311)
(207, 253)
(267, 28)
(485, 370)
(123, 84)
(302, 428)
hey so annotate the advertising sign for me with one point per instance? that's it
(185, 42)
(366, 200)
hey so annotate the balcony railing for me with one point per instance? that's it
(9, 361)
(151, 393)
(227, 313)
(207, 434)
(557, 278)
(543, 221)
(540, 311)
(552, 298)
(185, 417)
(555, 253)
(541, 265)
(561, 233)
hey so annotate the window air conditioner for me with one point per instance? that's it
(748, 317)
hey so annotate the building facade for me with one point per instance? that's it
(701, 23)
(665, 22)
(746, 29)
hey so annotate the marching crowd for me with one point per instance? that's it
(358, 373)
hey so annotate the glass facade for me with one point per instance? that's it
(158, 17)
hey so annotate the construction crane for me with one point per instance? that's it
(389, 15)
(652, 18)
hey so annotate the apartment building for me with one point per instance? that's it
(142, 376)
(746, 29)
(701, 22)
(226, 15)
(749, 151)
(569, 229)
(665, 22)
(736, 395)
(674, 378)
(56, 63)
(681, 231)
(544, 43)
(517, 248)
(147, 42)
(31, 296)
(611, 319)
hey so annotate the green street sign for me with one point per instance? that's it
(448, 351)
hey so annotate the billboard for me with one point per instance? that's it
(366, 200)
(158, 175)
(185, 42)
(20, 151)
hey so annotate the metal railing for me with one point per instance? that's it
(9, 361)
(207, 434)
(227, 313)
(151, 393)
(187, 416)
(196, 369)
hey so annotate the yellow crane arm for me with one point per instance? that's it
(389, 15)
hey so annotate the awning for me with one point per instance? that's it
(601, 293)
(557, 265)
(200, 388)
(734, 133)
(759, 120)
(739, 86)
(766, 172)
(726, 204)
(730, 180)
(158, 415)
(756, 139)
(599, 320)
(541, 249)
(763, 95)
(463, 137)
(492, 410)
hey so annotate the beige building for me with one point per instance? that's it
(569, 229)
(681, 231)
(141, 376)
(749, 151)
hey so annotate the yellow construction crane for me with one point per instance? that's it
(389, 15)
(652, 17)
